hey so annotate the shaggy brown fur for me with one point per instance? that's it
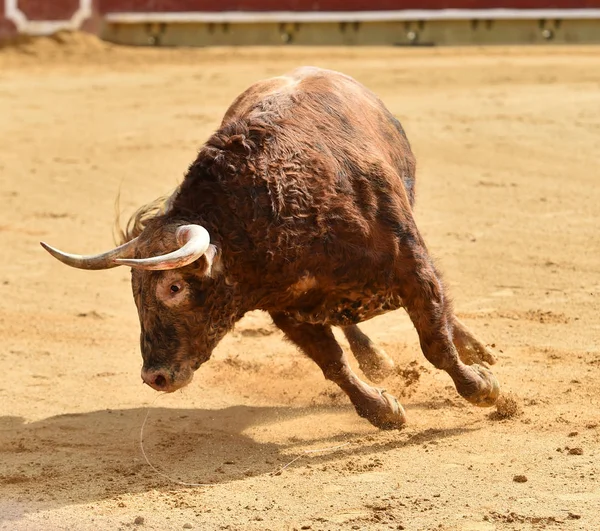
(307, 191)
(139, 219)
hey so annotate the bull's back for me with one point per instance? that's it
(306, 88)
(335, 111)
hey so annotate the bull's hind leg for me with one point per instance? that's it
(425, 300)
(318, 343)
(470, 349)
(373, 361)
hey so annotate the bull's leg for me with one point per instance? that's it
(373, 361)
(318, 343)
(427, 304)
(470, 349)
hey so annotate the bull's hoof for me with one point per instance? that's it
(386, 413)
(379, 366)
(482, 388)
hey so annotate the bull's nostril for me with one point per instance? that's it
(160, 381)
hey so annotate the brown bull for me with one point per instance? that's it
(301, 205)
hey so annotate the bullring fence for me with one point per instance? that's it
(310, 22)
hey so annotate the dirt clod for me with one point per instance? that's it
(506, 407)
(139, 520)
(520, 478)
(576, 451)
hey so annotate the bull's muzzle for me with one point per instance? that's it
(165, 380)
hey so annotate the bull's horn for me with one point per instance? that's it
(194, 241)
(105, 260)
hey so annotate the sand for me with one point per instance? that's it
(508, 148)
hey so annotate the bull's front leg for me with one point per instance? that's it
(319, 344)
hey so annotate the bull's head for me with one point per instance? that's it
(175, 294)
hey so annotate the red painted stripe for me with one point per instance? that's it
(48, 10)
(7, 29)
(114, 6)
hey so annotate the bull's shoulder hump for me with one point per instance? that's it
(257, 92)
(301, 79)
(314, 80)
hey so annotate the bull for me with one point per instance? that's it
(300, 205)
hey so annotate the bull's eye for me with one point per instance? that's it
(172, 289)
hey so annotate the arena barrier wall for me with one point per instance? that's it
(310, 22)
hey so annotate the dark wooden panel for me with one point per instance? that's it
(48, 10)
(333, 5)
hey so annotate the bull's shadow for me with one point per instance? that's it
(79, 458)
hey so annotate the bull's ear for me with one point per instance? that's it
(210, 263)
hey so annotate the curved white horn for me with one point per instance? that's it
(194, 241)
(105, 260)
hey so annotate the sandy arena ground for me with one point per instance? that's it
(508, 148)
